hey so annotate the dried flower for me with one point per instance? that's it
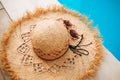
(74, 34)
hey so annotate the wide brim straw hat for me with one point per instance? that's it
(51, 44)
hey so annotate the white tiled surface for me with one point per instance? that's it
(4, 21)
(18, 8)
(110, 67)
(0, 6)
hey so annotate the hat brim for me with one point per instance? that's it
(20, 61)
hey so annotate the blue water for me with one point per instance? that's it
(106, 15)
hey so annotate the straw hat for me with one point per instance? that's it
(51, 44)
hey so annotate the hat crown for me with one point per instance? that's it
(50, 39)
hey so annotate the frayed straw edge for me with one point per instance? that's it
(94, 65)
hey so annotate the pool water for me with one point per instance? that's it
(106, 16)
